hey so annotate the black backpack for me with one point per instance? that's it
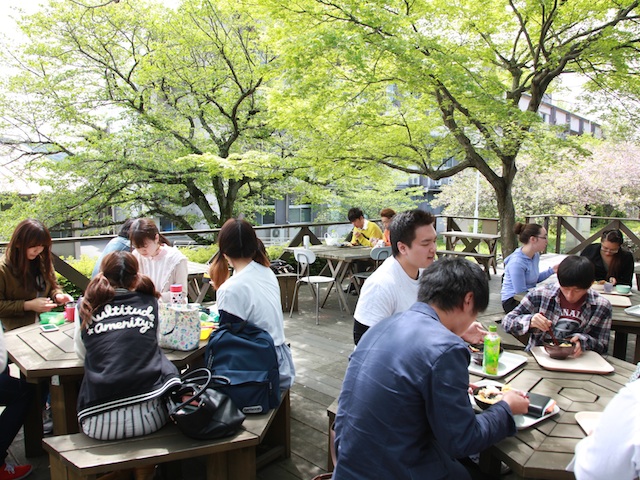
(246, 355)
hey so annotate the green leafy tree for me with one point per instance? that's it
(414, 85)
(135, 105)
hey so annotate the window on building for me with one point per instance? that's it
(300, 213)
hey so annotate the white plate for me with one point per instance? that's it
(522, 421)
(508, 363)
(635, 310)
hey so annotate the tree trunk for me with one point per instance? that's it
(507, 217)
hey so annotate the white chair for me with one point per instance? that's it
(305, 258)
(378, 255)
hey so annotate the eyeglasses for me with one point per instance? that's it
(609, 250)
(541, 237)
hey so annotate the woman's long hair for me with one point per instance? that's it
(118, 270)
(31, 233)
(614, 236)
(236, 239)
(145, 229)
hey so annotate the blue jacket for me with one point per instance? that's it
(521, 273)
(404, 411)
(116, 244)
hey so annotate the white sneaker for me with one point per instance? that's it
(47, 421)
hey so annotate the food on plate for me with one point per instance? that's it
(599, 282)
(489, 395)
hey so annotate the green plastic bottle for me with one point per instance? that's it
(491, 353)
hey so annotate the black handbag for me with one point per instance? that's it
(200, 411)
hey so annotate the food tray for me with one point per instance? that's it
(522, 421)
(635, 311)
(617, 300)
(508, 363)
(588, 362)
(588, 421)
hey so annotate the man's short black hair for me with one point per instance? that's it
(403, 227)
(354, 214)
(576, 271)
(445, 283)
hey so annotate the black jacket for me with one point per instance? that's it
(624, 274)
(124, 364)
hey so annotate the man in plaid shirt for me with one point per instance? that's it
(571, 309)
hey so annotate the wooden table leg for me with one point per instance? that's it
(33, 432)
(620, 345)
(64, 399)
(338, 271)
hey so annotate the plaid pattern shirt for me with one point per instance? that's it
(595, 317)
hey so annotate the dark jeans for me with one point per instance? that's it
(16, 395)
(358, 331)
(509, 304)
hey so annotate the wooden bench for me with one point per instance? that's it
(484, 259)
(76, 456)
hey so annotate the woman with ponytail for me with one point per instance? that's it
(252, 293)
(125, 371)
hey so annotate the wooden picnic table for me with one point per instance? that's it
(544, 450)
(196, 288)
(471, 245)
(340, 261)
(623, 324)
(50, 357)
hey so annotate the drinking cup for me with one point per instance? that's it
(70, 311)
(608, 287)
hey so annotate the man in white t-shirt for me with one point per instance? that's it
(393, 287)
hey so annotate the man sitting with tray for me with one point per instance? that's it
(571, 309)
(404, 410)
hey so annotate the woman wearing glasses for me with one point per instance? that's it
(522, 267)
(612, 261)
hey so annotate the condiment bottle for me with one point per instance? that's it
(491, 354)
(177, 298)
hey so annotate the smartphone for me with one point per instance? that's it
(49, 327)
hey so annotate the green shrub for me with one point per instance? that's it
(199, 254)
(274, 251)
(84, 265)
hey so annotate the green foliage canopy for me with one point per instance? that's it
(412, 85)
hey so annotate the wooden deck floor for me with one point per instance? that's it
(321, 354)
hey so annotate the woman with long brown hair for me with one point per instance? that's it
(125, 371)
(28, 283)
(612, 261)
(252, 293)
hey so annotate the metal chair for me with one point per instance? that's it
(378, 255)
(305, 258)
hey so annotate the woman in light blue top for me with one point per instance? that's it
(521, 268)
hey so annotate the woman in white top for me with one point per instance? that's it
(164, 264)
(252, 293)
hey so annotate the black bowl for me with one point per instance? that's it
(559, 352)
(477, 352)
(483, 404)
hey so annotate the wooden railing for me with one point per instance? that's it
(562, 225)
(574, 233)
